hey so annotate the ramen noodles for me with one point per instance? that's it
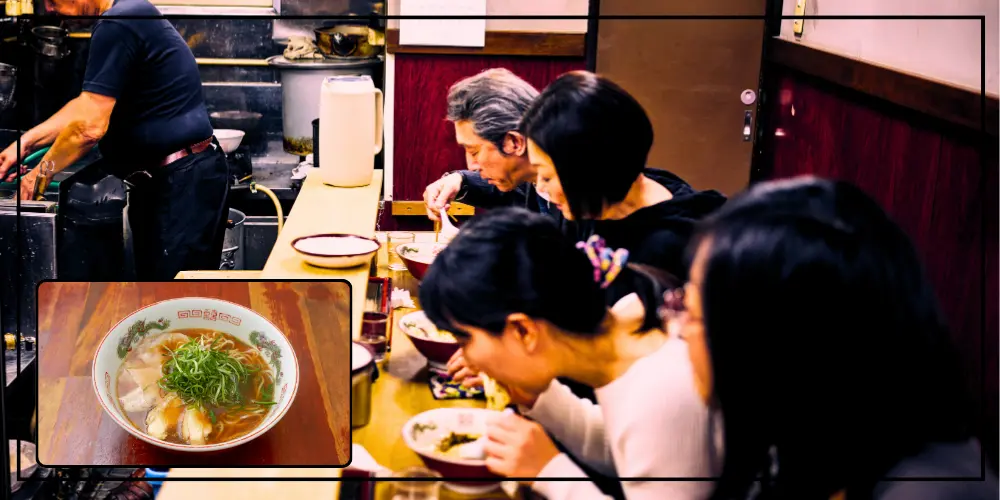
(195, 387)
(497, 397)
(429, 332)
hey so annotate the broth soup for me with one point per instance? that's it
(195, 387)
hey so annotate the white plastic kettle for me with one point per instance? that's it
(350, 130)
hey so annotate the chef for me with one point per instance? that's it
(142, 104)
(486, 109)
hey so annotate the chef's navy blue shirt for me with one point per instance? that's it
(148, 68)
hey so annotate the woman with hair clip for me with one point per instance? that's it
(815, 332)
(529, 306)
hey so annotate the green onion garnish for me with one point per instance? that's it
(204, 375)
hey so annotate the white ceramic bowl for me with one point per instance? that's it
(229, 139)
(436, 424)
(195, 312)
(336, 251)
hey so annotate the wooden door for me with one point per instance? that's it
(689, 75)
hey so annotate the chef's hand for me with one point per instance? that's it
(9, 158)
(517, 447)
(28, 185)
(440, 193)
(461, 371)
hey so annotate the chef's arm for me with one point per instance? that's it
(45, 133)
(86, 123)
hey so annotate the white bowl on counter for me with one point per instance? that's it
(336, 251)
(195, 313)
(229, 139)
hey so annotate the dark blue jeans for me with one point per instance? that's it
(178, 216)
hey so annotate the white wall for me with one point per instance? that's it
(525, 8)
(943, 50)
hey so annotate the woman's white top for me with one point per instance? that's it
(649, 423)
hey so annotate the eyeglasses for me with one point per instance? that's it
(673, 304)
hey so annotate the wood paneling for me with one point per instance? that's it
(420, 208)
(940, 100)
(937, 180)
(503, 43)
(424, 141)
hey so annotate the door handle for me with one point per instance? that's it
(747, 128)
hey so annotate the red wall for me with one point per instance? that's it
(424, 142)
(932, 178)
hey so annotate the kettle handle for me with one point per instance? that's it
(378, 121)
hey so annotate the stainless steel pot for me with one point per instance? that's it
(232, 245)
(363, 375)
(301, 82)
(50, 41)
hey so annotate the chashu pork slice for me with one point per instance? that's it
(195, 426)
(164, 417)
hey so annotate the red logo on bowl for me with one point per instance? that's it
(210, 315)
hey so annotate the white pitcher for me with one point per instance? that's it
(350, 130)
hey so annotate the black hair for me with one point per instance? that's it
(597, 135)
(827, 344)
(511, 260)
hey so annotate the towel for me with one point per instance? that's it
(301, 47)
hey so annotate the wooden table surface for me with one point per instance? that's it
(74, 317)
(402, 392)
(321, 209)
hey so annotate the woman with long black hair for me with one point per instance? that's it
(529, 307)
(814, 331)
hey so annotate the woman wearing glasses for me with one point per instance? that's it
(810, 325)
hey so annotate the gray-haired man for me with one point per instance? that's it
(486, 109)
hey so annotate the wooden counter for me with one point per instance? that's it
(325, 209)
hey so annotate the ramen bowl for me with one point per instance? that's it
(418, 256)
(127, 340)
(336, 251)
(424, 432)
(437, 346)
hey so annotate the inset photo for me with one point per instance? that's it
(194, 373)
